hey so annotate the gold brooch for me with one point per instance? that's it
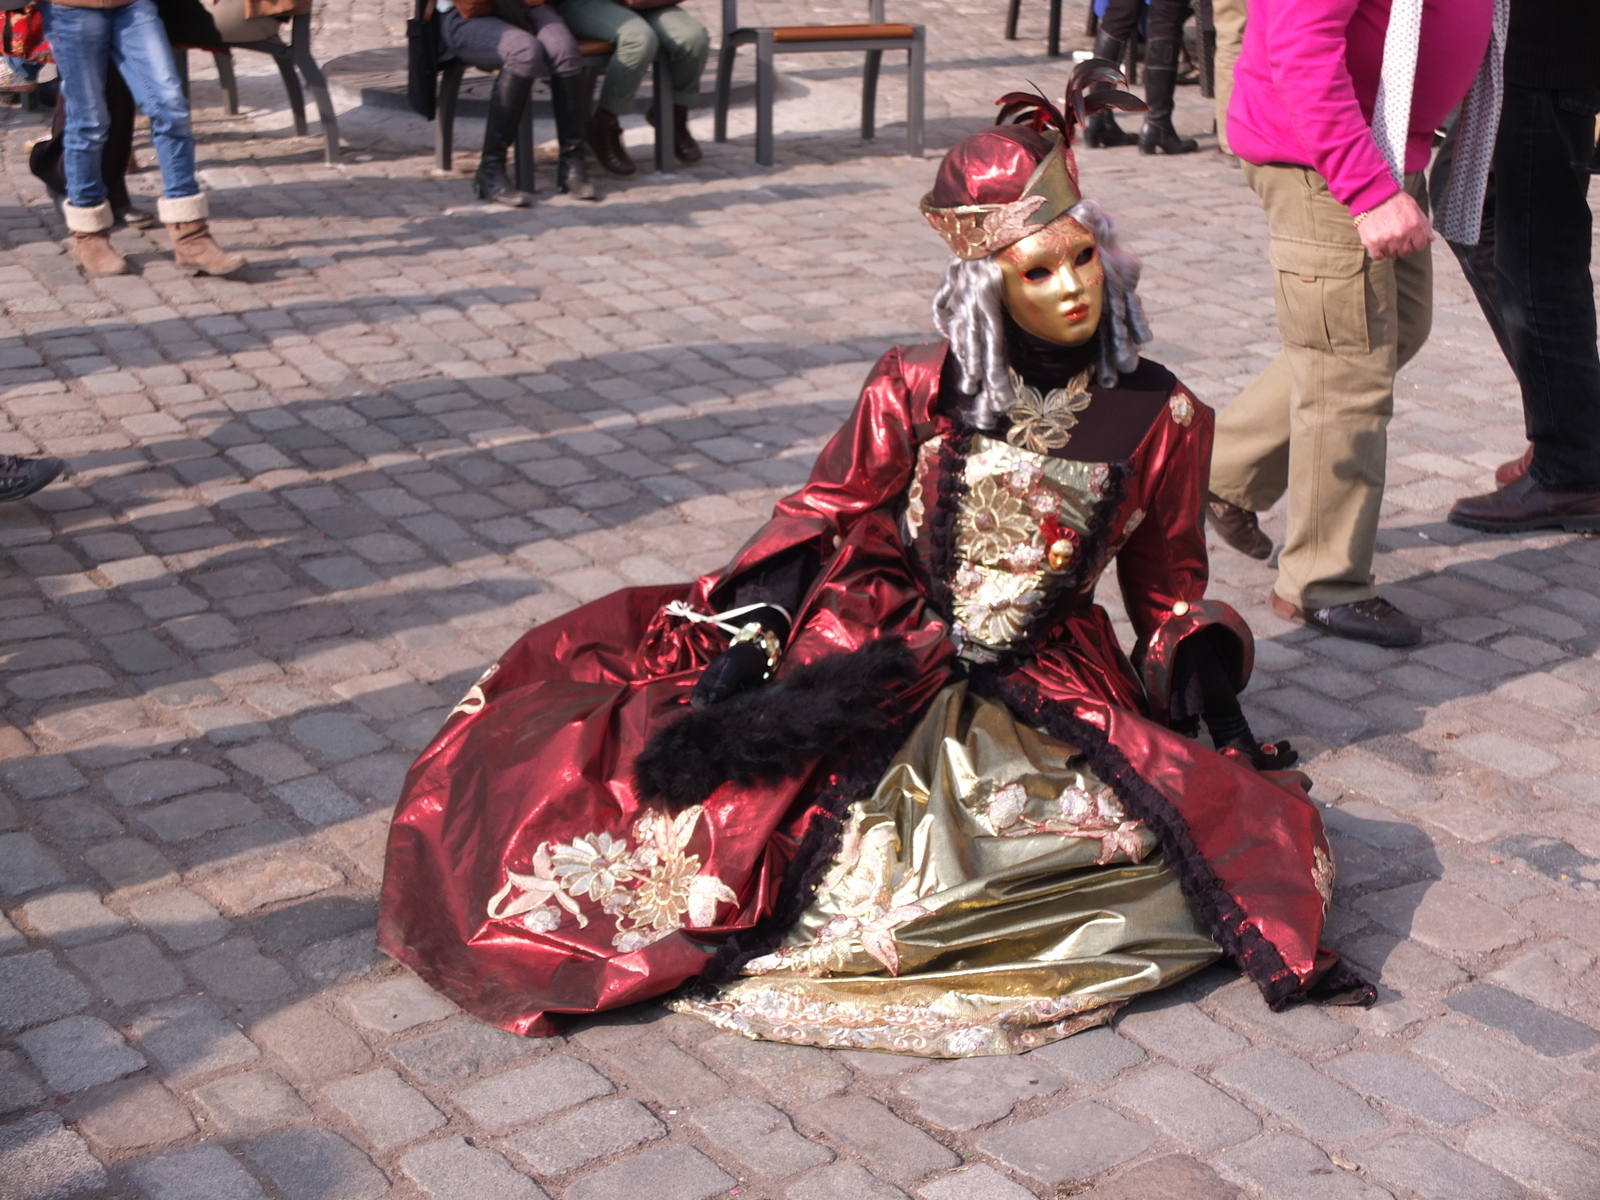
(1044, 422)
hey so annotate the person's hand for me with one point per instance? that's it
(735, 670)
(1395, 228)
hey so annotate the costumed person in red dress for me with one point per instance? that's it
(888, 781)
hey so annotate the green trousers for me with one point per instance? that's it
(637, 37)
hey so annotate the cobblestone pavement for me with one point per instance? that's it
(306, 508)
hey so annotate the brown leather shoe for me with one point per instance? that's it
(91, 239)
(605, 139)
(1510, 472)
(683, 143)
(194, 250)
(1375, 620)
(1523, 504)
(1239, 527)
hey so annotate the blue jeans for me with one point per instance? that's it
(83, 41)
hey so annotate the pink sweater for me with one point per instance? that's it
(1304, 86)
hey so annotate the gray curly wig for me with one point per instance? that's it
(968, 309)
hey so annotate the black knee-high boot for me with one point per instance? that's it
(1102, 129)
(566, 99)
(1160, 81)
(508, 99)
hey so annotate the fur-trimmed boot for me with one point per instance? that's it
(193, 248)
(91, 239)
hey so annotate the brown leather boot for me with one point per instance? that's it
(91, 239)
(1510, 472)
(193, 248)
(1523, 504)
(683, 143)
(1238, 527)
(605, 139)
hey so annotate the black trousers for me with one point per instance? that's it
(1530, 273)
(45, 159)
(492, 45)
(1166, 19)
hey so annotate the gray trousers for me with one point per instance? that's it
(494, 45)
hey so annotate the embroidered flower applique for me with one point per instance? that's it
(1043, 422)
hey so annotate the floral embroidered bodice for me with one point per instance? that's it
(1024, 522)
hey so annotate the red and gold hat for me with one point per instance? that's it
(998, 186)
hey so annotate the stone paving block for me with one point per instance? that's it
(664, 1173)
(318, 800)
(981, 1182)
(270, 762)
(867, 1128)
(1506, 1070)
(317, 1164)
(396, 1005)
(1281, 1164)
(1296, 1092)
(130, 863)
(1173, 1176)
(317, 919)
(1544, 1163)
(1072, 1143)
(191, 1037)
(1444, 917)
(1404, 965)
(1178, 1030)
(38, 778)
(311, 1042)
(243, 1106)
(1407, 1085)
(72, 916)
(874, 1062)
(760, 1137)
(672, 1076)
(594, 1131)
(1300, 1028)
(179, 918)
(969, 1092)
(453, 1169)
(342, 959)
(194, 1173)
(161, 779)
(79, 1052)
(794, 1073)
(127, 970)
(34, 989)
(41, 1160)
(247, 886)
(843, 1181)
(1551, 1034)
(236, 969)
(336, 736)
(10, 940)
(387, 1110)
(1092, 1056)
(1422, 1167)
(527, 1094)
(194, 816)
(131, 1115)
(18, 1088)
(461, 1051)
(25, 865)
(1186, 1108)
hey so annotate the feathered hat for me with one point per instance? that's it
(998, 186)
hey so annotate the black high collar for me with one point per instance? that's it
(1043, 364)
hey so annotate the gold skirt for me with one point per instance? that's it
(989, 897)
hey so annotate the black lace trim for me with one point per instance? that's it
(856, 777)
(1213, 902)
(950, 474)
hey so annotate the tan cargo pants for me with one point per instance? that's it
(1315, 423)
(1228, 17)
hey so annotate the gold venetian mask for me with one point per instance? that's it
(1055, 282)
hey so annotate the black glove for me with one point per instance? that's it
(740, 667)
(1202, 686)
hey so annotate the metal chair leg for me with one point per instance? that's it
(524, 149)
(664, 103)
(869, 95)
(291, 84)
(916, 79)
(225, 77)
(1011, 19)
(725, 57)
(444, 129)
(1055, 28)
(766, 89)
(300, 50)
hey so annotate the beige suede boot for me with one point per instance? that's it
(91, 239)
(192, 246)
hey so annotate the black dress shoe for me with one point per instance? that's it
(1523, 504)
(1375, 620)
(21, 477)
(1238, 527)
